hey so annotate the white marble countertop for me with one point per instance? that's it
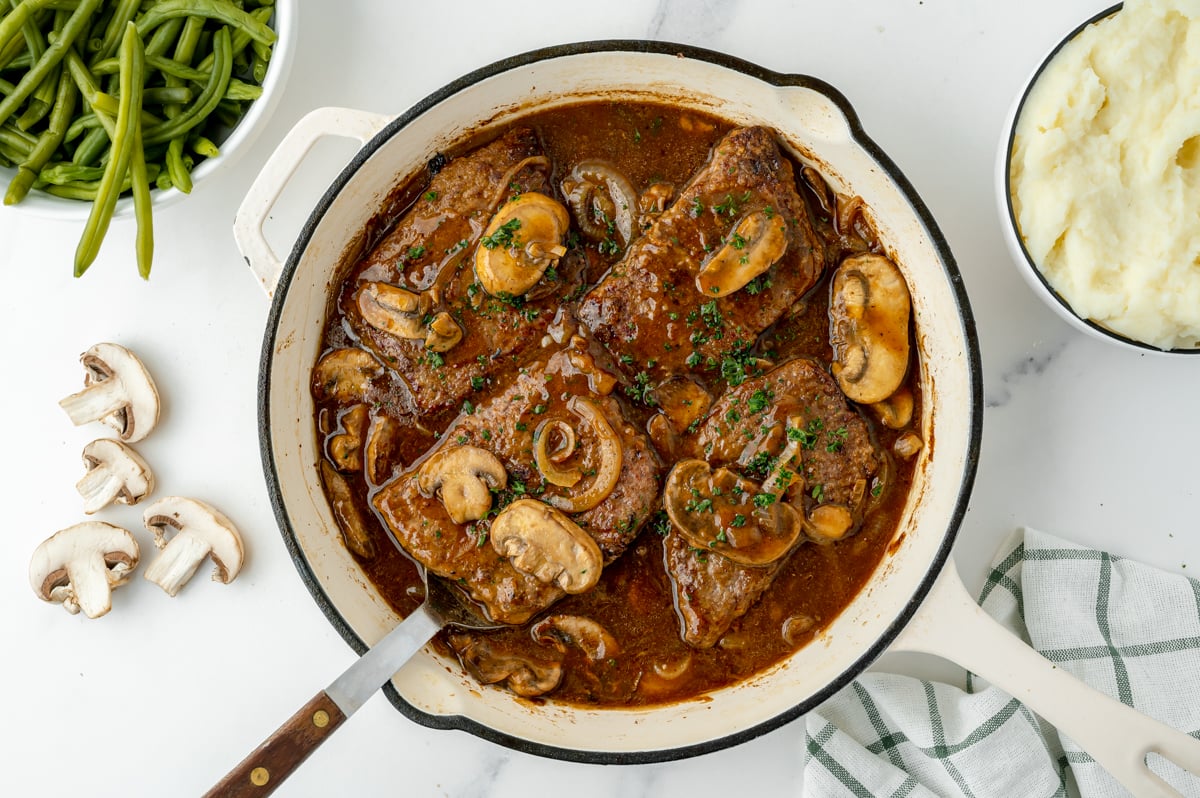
(163, 695)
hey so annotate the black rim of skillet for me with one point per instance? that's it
(970, 355)
(1012, 216)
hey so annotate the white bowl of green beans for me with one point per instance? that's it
(114, 108)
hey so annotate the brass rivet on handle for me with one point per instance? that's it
(259, 777)
(320, 719)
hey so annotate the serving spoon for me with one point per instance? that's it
(280, 754)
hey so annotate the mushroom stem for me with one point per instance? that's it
(177, 562)
(98, 400)
(90, 589)
(98, 488)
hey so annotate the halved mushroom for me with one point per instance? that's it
(604, 201)
(868, 327)
(591, 638)
(443, 334)
(349, 518)
(80, 565)
(346, 447)
(201, 531)
(682, 401)
(343, 375)
(490, 661)
(463, 477)
(115, 472)
(826, 523)
(542, 542)
(907, 445)
(722, 512)
(521, 241)
(896, 411)
(606, 453)
(119, 392)
(383, 449)
(392, 309)
(758, 241)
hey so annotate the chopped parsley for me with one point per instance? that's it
(836, 438)
(641, 390)
(764, 500)
(818, 492)
(759, 284)
(698, 506)
(759, 401)
(430, 196)
(739, 520)
(503, 237)
(477, 383)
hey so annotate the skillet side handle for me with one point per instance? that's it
(951, 625)
(278, 170)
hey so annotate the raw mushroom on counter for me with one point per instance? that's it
(115, 472)
(201, 532)
(80, 565)
(119, 392)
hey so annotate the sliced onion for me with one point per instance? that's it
(548, 462)
(608, 447)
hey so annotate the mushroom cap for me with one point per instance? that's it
(344, 374)
(521, 241)
(463, 478)
(115, 472)
(868, 313)
(392, 309)
(200, 531)
(759, 240)
(118, 391)
(717, 511)
(78, 566)
(542, 542)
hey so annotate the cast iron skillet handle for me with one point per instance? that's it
(281, 753)
(950, 624)
(278, 170)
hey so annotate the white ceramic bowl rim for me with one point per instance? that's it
(1010, 216)
(970, 357)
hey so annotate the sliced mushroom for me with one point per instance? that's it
(826, 523)
(383, 449)
(349, 518)
(343, 375)
(868, 329)
(896, 411)
(115, 472)
(392, 309)
(444, 333)
(758, 241)
(559, 435)
(683, 401)
(588, 636)
(201, 531)
(542, 542)
(521, 241)
(463, 477)
(907, 445)
(604, 201)
(722, 512)
(795, 628)
(607, 455)
(80, 565)
(119, 392)
(346, 447)
(489, 661)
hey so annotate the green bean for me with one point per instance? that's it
(164, 95)
(61, 173)
(60, 117)
(88, 191)
(166, 35)
(21, 58)
(121, 15)
(133, 78)
(204, 147)
(53, 55)
(219, 10)
(16, 139)
(241, 39)
(103, 105)
(206, 102)
(82, 124)
(142, 210)
(185, 49)
(238, 90)
(11, 24)
(92, 148)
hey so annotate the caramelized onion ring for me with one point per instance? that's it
(611, 454)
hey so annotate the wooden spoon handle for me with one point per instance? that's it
(281, 753)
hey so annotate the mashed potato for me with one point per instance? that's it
(1106, 172)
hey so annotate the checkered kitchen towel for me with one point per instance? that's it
(1125, 628)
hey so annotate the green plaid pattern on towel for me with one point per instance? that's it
(1125, 628)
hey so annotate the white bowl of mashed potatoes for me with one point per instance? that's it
(1099, 176)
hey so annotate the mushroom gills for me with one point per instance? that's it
(868, 314)
(201, 532)
(755, 245)
(115, 473)
(79, 566)
(118, 392)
